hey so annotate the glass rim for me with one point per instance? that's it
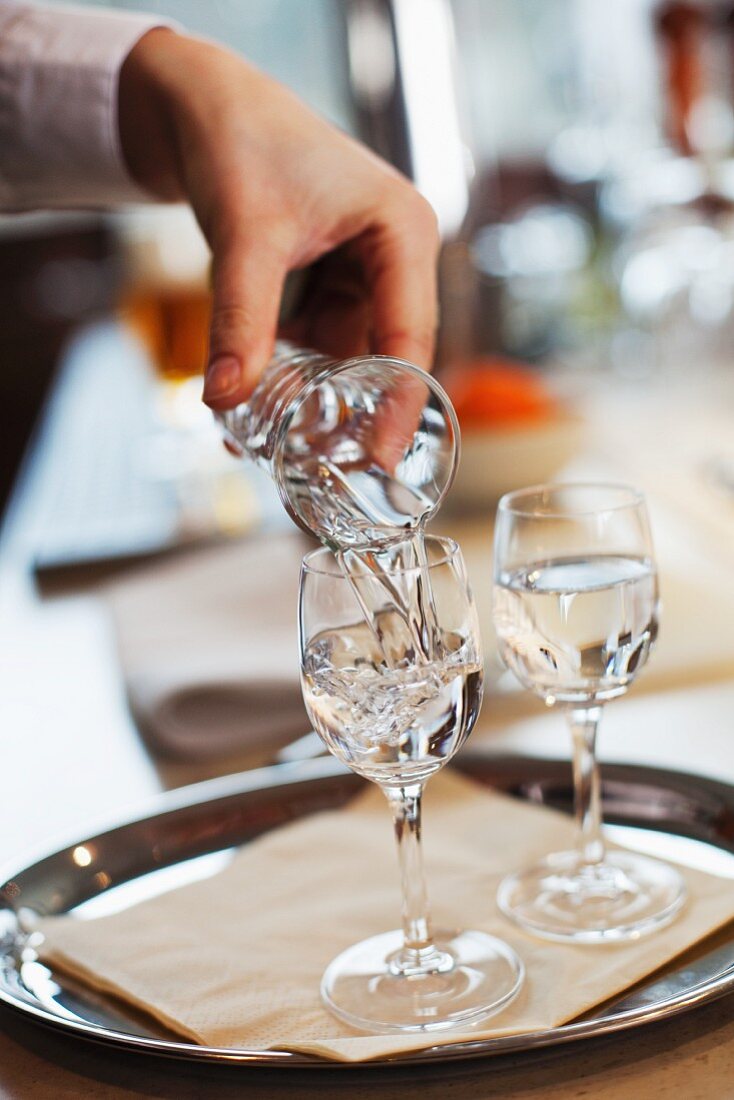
(508, 503)
(332, 367)
(312, 560)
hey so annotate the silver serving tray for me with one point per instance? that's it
(187, 833)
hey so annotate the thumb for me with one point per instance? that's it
(247, 288)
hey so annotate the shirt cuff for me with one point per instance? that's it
(59, 131)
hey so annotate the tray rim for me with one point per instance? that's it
(325, 768)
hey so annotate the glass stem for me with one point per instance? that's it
(419, 955)
(583, 722)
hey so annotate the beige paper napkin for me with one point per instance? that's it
(209, 648)
(236, 960)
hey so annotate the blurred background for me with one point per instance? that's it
(580, 159)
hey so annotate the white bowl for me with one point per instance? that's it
(497, 461)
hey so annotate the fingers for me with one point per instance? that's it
(400, 259)
(247, 286)
(397, 419)
(338, 326)
(334, 314)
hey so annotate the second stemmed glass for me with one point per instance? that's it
(394, 702)
(576, 615)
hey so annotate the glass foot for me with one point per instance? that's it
(626, 896)
(376, 986)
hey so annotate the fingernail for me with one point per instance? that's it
(223, 377)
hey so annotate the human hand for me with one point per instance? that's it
(276, 188)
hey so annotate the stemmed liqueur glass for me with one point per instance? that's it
(395, 705)
(576, 614)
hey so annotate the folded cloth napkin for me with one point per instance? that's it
(208, 643)
(236, 960)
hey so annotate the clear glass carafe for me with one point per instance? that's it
(361, 450)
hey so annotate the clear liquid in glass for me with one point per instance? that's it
(394, 723)
(577, 629)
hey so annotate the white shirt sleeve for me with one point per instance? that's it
(59, 133)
